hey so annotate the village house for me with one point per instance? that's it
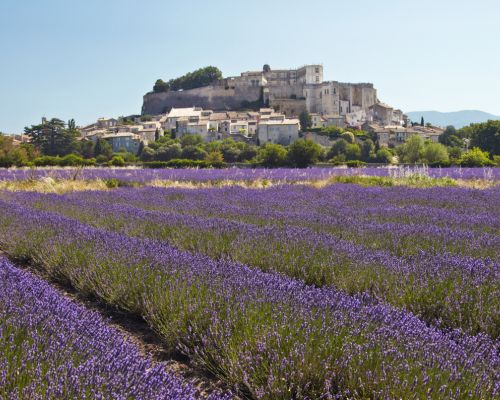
(280, 131)
(333, 120)
(317, 121)
(192, 126)
(395, 135)
(123, 141)
(106, 123)
(169, 121)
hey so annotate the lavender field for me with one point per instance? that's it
(281, 175)
(292, 291)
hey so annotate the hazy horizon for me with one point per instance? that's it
(86, 59)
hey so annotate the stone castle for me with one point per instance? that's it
(289, 91)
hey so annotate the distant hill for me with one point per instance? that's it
(457, 118)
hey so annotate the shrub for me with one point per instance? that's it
(303, 153)
(101, 159)
(442, 164)
(47, 161)
(272, 155)
(353, 151)
(214, 157)
(412, 150)
(193, 153)
(384, 155)
(475, 158)
(168, 152)
(117, 161)
(183, 163)
(348, 137)
(112, 183)
(71, 160)
(338, 148)
(355, 163)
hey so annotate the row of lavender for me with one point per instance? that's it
(385, 242)
(53, 348)
(246, 174)
(273, 336)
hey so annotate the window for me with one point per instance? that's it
(317, 79)
(316, 70)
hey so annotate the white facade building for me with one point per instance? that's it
(284, 132)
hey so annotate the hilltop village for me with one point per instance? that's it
(263, 118)
(259, 107)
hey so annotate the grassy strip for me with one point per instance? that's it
(60, 186)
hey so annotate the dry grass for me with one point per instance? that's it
(254, 184)
(50, 185)
(61, 186)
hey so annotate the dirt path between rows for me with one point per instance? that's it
(138, 332)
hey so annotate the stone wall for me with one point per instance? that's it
(208, 97)
(289, 107)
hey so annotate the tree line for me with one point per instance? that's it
(54, 142)
(199, 78)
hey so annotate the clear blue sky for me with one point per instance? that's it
(92, 58)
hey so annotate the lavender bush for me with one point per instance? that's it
(434, 252)
(52, 348)
(285, 175)
(273, 336)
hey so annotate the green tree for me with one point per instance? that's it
(384, 155)
(475, 158)
(435, 153)
(367, 150)
(169, 152)
(348, 137)
(157, 134)
(455, 153)
(266, 68)
(486, 136)
(412, 150)
(422, 122)
(103, 148)
(117, 161)
(450, 137)
(72, 125)
(51, 137)
(214, 157)
(333, 132)
(353, 151)
(247, 152)
(193, 153)
(148, 154)
(161, 86)
(86, 148)
(305, 120)
(140, 149)
(272, 155)
(191, 140)
(338, 148)
(10, 154)
(303, 153)
(199, 78)
(230, 150)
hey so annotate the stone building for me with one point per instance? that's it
(281, 131)
(289, 91)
